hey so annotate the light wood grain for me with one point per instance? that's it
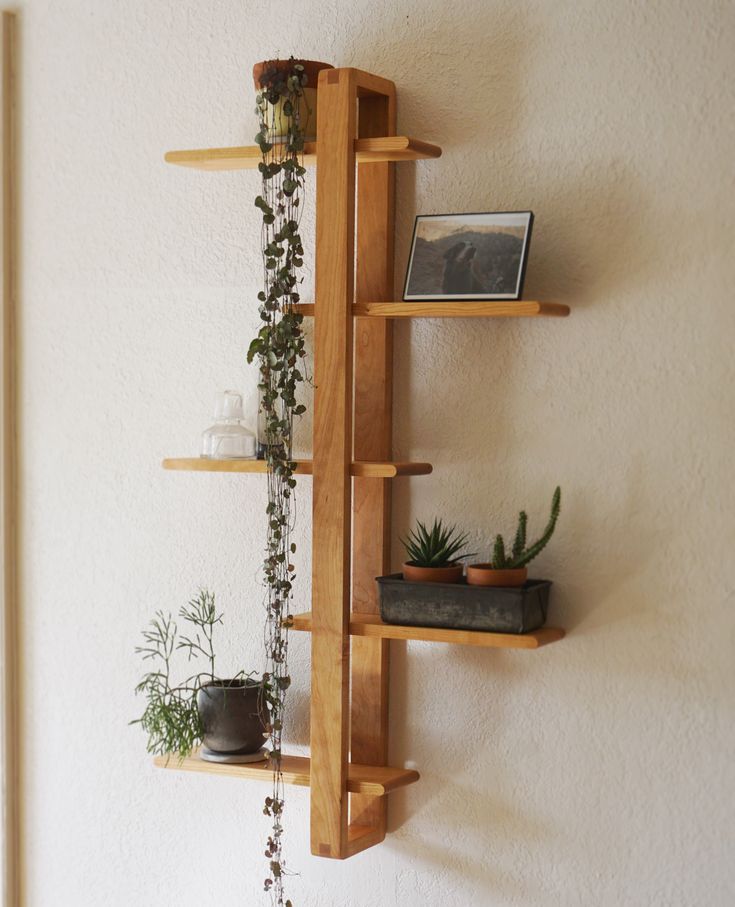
(11, 756)
(332, 441)
(370, 625)
(368, 85)
(371, 508)
(203, 464)
(362, 469)
(468, 309)
(363, 779)
(389, 470)
(393, 148)
(361, 837)
(247, 157)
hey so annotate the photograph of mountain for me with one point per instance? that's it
(468, 256)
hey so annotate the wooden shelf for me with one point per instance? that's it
(351, 520)
(469, 308)
(372, 626)
(247, 157)
(374, 780)
(362, 469)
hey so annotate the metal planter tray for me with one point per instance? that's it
(459, 606)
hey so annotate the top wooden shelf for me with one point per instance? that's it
(247, 157)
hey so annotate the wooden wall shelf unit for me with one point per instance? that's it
(351, 467)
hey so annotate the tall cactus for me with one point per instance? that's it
(522, 555)
(530, 553)
(499, 558)
(520, 540)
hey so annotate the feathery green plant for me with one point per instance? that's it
(171, 718)
(437, 547)
(520, 554)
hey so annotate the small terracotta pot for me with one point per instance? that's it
(307, 105)
(485, 575)
(312, 68)
(450, 574)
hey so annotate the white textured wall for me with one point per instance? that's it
(597, 771)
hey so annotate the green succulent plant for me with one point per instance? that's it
(437, 547)
(521, 553)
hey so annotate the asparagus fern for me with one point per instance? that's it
(171, 717)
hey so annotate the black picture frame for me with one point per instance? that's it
(496, 273)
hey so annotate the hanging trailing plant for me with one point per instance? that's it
(279, 350)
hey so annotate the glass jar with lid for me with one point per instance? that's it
(228, 438)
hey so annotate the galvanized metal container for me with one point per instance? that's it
(459, 606)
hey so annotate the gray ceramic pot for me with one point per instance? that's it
(234, 716)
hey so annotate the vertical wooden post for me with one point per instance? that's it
(335, 230)
(332, 835)
(372, 441)
(10, 670)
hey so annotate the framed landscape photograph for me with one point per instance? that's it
(468, 256)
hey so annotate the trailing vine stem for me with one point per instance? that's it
(279, 350)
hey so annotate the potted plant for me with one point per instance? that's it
(510, 568)
(275, 96)
(228, 716)
(496, 598)
(433, 554)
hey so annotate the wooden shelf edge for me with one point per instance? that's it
(236, 157)
(202, 464)
(362, 837)
(372, 626)
(360, 469)
(394, 148)
(359, 838)
(375, 780)
(460, 309)
(247, 157)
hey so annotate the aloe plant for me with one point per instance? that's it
(521, 554)
(437, 547)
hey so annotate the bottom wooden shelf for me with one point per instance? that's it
(376, 780)
(372, 625)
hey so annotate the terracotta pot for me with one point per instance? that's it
(484, 575)
(312, 68)
(450, 574)
(307, 105)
